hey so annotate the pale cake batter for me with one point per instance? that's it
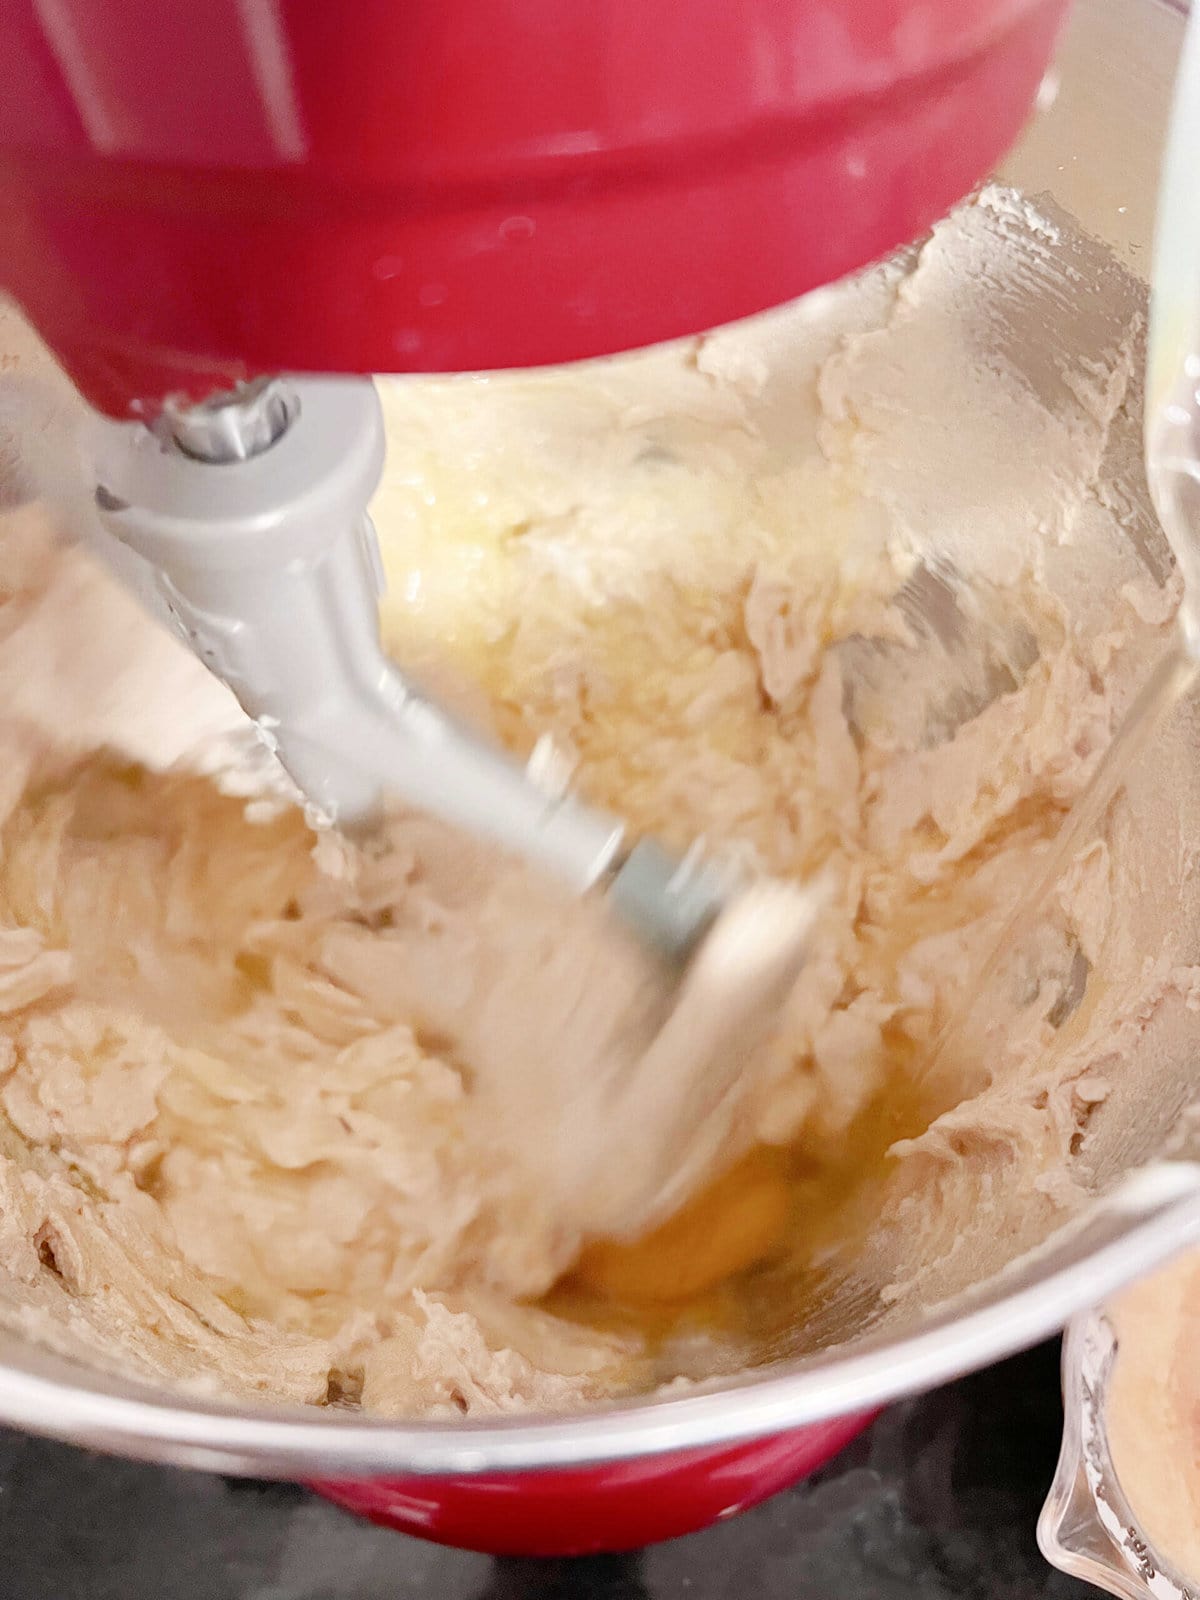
(857, 588)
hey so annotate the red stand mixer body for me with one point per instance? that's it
(198, 193)
(191, 195)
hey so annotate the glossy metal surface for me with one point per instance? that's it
(234, 425)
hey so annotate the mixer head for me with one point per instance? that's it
(197, 195)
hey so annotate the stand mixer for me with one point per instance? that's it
(202, 203)
(196, 200)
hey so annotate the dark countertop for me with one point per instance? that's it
(937, 1500)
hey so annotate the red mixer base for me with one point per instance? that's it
(582, 1511)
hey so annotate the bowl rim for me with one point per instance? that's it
(1148, 1217)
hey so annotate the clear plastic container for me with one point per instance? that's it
(1087, 1527)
